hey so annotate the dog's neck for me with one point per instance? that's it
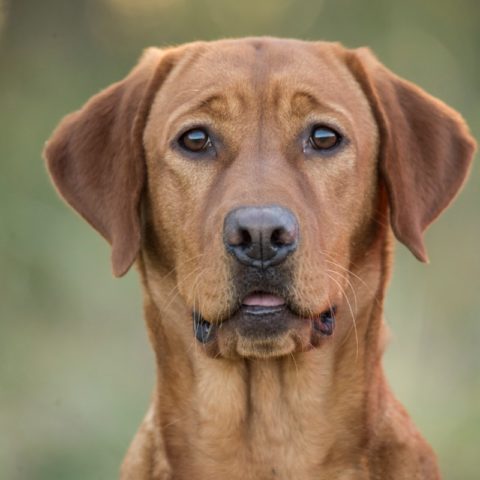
(245, 415)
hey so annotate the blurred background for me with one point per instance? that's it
(76, 370)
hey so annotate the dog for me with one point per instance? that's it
(258, 184)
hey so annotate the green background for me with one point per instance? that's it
(76, 370)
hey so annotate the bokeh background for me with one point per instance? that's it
(76, 370)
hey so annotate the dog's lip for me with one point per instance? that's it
(264, 303)
(263, 299)
(266, 315)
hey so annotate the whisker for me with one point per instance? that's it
(351, 312)
(346, 270)
(194, 301)
(195, 257)
(296, 366)
(176, 291)
(350, 285)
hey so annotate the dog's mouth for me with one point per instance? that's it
(262, 303)
(262, 319)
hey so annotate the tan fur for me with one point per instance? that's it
(283, 408)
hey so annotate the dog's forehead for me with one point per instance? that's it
(257, 65)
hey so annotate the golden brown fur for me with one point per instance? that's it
(292, 407)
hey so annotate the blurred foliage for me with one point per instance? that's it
(75, 366)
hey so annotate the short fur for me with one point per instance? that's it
(277, 409)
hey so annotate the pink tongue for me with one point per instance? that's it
(263, 300)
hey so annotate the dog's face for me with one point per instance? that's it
(261, 164)
(269, 139)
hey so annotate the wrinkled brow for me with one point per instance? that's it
(302, 103)
(216, 106)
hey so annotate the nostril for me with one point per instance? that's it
(277, 237)
(238, 237)
(282, 237)
(246, 238)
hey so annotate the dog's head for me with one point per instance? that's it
(256, 171)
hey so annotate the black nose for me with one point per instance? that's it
(260, 236)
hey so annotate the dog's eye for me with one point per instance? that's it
(195, 140)
(324, 138)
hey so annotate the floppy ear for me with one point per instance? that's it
(425, 148)
(95, 157)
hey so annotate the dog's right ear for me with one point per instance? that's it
(96, 160)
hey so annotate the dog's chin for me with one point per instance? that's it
(264, 331)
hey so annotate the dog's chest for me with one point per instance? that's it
(256, 423)
(258, 448)
(264, 451)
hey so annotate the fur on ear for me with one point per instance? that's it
(425, 148)
(95, 156)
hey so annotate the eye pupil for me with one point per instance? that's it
(324, 138)
(195, 140)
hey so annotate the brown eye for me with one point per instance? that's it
(324, 138)
(195, 140)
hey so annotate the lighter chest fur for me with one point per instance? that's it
(269, 420)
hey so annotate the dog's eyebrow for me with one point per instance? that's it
(216, 105)
(213, 105)
(302, 103)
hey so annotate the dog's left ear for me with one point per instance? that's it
(425, 148)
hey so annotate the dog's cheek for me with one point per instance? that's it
(319, 275)
(161, 233)
(211, 286)
(214, 289)
(203, 277)
(328, 224)
(193, 241)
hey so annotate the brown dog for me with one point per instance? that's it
(256, 183)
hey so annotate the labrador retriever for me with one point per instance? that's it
(257, 185)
